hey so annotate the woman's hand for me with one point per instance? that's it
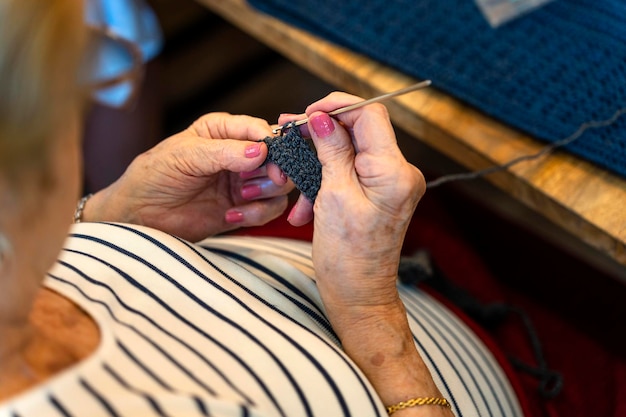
(205, 180)
(365, 203)
(367, 197)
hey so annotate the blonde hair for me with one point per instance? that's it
(41, 45)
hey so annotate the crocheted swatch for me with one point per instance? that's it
(546, 72)
(297, 160)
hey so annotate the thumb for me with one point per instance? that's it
(333, 145)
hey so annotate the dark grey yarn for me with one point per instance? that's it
(297, 160)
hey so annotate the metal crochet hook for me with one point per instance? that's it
(382, 97)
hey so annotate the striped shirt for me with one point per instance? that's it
(232, 326)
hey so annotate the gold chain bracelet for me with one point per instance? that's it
(418, 401)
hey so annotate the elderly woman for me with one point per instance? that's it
(133, 319)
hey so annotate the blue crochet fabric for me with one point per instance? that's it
(545, 73)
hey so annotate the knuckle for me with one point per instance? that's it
(379, 108)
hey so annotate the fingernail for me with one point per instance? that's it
(234, 216)
(292, 212)
(253, 151)
(251, 191)
(322, 125)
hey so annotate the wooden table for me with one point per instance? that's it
(580, 197)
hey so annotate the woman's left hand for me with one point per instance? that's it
(203, 181)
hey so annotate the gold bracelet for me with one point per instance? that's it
(418, 401)
(78, 214)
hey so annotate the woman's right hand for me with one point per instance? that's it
(366, 200)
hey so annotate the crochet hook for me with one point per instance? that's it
(418, 86)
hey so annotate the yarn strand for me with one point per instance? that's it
(594, 124)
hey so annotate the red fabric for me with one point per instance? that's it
(579, 314)
(528, 407)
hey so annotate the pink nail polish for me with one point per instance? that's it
(292, 212)
(251, 191)
(234, 216)
(322, 125)
(253, 151)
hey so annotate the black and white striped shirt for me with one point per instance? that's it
(233, 326)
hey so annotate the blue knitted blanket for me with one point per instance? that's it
(546, 73)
